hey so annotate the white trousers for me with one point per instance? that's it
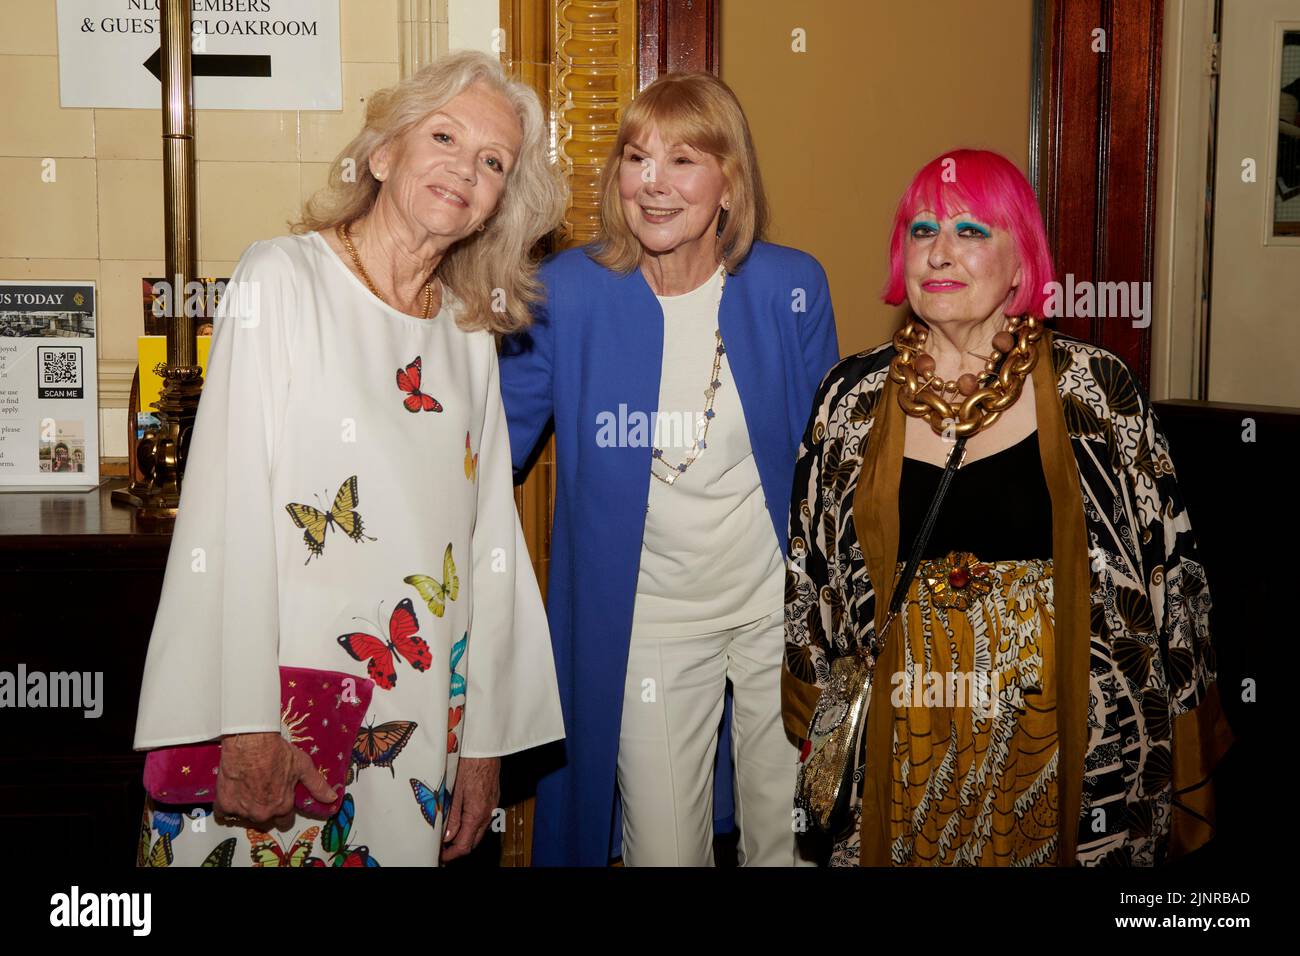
(672, 706)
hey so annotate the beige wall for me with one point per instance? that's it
(882, 88)
(840, 129)
(101, 218)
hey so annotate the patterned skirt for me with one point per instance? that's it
(973, 774)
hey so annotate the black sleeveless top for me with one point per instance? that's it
(998, 507)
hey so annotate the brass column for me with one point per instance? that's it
(161, 453)
(180, 221)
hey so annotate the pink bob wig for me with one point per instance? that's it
(987, 186)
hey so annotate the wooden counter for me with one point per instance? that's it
(79, 585)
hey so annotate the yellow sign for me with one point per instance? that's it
(152, 350)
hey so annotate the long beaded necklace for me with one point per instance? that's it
(710, 395)
(343, 231)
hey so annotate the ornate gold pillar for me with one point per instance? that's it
(581, 58)
(595, 77)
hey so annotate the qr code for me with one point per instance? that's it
(60, 367)
(59, 371)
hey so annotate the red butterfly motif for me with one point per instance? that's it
(454, 714)
(408, 380)
(402, 640)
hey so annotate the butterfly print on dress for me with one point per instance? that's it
(380, 655)
(408, 380)
(471, 461)
(436, 593)
(343, 515)
(379, 746)
(334, 840)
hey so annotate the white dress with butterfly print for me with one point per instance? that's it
(345, 458)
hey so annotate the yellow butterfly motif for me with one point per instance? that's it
(222, 855)
(343, 516)
(436, 594)
(161, 854)
(471, 461)
(265, 849)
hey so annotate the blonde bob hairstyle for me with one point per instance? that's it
(492, 272)
(698, 110)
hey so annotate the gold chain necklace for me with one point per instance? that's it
(343, 231)
(710, 393)
(983, 398)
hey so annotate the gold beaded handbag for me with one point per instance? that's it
(825, 779)
(826, 776)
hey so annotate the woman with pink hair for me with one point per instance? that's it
(997, 638)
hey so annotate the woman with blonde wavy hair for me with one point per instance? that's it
(348, 506)
(677, 356)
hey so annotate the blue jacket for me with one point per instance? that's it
(597, 343)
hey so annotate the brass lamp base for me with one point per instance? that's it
(161, 453)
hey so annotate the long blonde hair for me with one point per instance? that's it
(700, 110)
(492, 272)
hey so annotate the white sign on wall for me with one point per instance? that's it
(49, 392)
(247, 54)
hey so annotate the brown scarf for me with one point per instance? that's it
(875, 517)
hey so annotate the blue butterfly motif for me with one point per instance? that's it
(458, 652)
(334, 838)
(432, 802)
(170, 824)
(167, 824)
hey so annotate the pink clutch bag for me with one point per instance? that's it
(321, 712)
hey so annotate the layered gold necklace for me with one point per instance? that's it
(343, 231)
(977, 400)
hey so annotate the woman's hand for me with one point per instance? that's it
(478, 789)
(258, 773)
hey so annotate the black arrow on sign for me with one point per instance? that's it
(217, 64)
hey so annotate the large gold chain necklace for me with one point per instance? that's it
(983, 398)
(344, 232)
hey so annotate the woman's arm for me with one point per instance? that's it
(1199, 735)
(512, 702)
(526, 376)
(807, 614)
(213, 662)
(820, 343)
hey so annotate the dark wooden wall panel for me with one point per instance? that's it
(79, 587)
(677, 36)
(1099, 161)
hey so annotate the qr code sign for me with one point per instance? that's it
(59, 371)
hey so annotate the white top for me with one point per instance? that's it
(709, 558)
(305, 391)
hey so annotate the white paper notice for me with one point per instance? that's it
(49, 394)
(247, 54)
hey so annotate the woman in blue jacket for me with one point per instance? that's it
(678, 356)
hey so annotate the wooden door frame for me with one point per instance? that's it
(1096, 115)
